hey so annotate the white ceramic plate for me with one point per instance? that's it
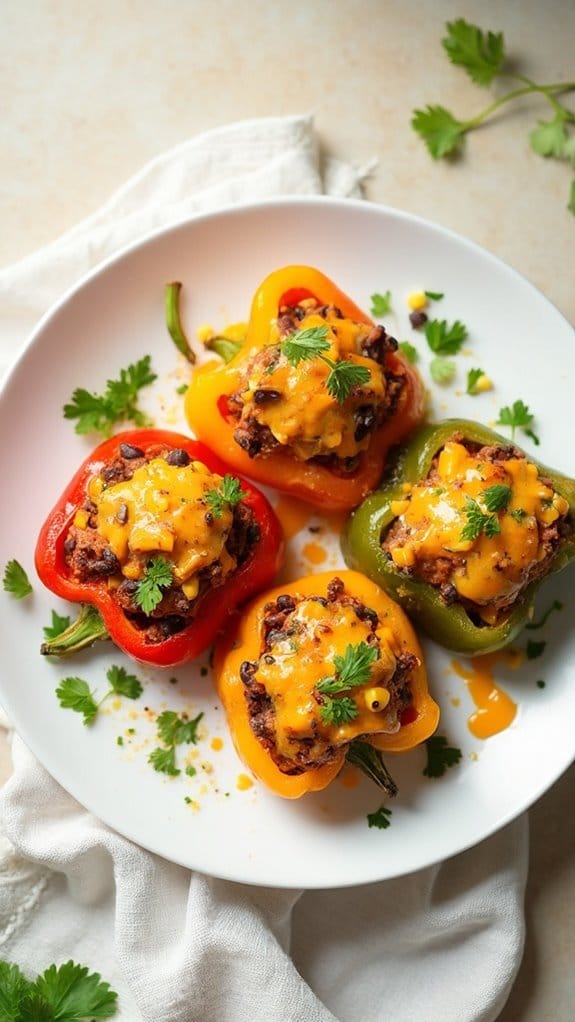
(116, 316)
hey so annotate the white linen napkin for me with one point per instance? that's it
(439, 945)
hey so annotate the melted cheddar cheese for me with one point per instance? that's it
(488, 569)
(297, 663)
(162, 509)
(306, 417)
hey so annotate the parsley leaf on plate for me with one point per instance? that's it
(74, 694)
(381, 304)
(176, 730)
(444, 339)
(517, 416)
(122, 683)
(381, 818)
(58, 626)
(440, 756)
(16, 581)
(99, 413)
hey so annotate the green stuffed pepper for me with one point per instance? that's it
(462, 532)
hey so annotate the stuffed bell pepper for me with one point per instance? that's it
(159, 544)
(463, 533)
(313, 399)
(317, 671)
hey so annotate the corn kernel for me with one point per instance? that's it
(417, 301)
(81, 519)
(376, 699)
(399, 507)
(482, 384)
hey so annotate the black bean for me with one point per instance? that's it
(178, 457)
(247, 671)
(262, 396)
(417, 318)
(365, 422)
(285, 602)
(128, 451)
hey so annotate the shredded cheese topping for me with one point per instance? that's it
(162, 509)
(490, 567)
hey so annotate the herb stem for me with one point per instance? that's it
(224, 347)
(174, 322)
(525, 90)
(84, 631)
(370, 761)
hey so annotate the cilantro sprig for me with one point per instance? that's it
(518, 416)
(173, 729)
(483, 56)
(440, 756)
(150, 589)
(16, 581)
(67, 993)
(99, 413)
(381, 818)
(350, 671)
(227, 494)
(75, 694)
(312, 342)
(478, 521)
(444, 339)
(381, 304)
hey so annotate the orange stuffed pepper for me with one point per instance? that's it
(314, 398)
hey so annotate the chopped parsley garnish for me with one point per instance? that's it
(74, 693)
(473, 377)
(442, 370)
(312, 342)
(556, 605)
(58, 626)
(351, 669)
(67, 992)
(228, 494)
(534, 649)
(444, 339)
(478, 521)
(497, 497)
(409, 350)
(157, 577)
(173, 729)
(99, 413)
(517, 416)
(518, 514)
(381, 304)
(440, 756)
(16, 581)
(381, 818)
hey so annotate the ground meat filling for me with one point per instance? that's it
(296, 753)
(445, 570)
(366, 408)
(89, 559)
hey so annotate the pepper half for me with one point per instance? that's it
(316, 479)
(452, 621)
(269, 666)
(104, 495)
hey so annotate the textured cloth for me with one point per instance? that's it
(442, 944)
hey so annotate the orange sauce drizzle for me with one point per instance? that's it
(495, 710)
(293, 515)
(314, 553)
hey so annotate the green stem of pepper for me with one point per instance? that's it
(223, 347)
(174, 322)
(370, 762)
(84, 631)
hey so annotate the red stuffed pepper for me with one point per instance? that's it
(155, 535)
(313, 400)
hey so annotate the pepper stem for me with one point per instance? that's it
(85, 630)
(370, 761)
(174, 322)
(223, 346)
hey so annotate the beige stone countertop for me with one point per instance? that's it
(93, 90)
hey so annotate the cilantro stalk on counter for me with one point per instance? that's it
(483, 57)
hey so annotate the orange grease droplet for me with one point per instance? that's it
(216, 744)
(495, 709)
(243, 782)
(349, 778)
(314, 553)
(293, 515)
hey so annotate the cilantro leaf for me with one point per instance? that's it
(440, 756)
(517, 416)
(228, 493)
(381, 304)
(16, 581)
(176, 730)
(442, 370)
(380, 818)
(344, 376)
(157, 577)
(534, 648)
(58, 626)
(164, 761)
(480, 54)
(409, 350)
(74, 694)
(439, 129)
(305, 344)
(444, 339)
(550, 137)
(351, 669)
(434, 296)
(497, 497)
(124, 684)
(338, 711)
(478, 521)
(34, 1008)
(473, 377)
(73, 993)
(13, 988)
(99, 413)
